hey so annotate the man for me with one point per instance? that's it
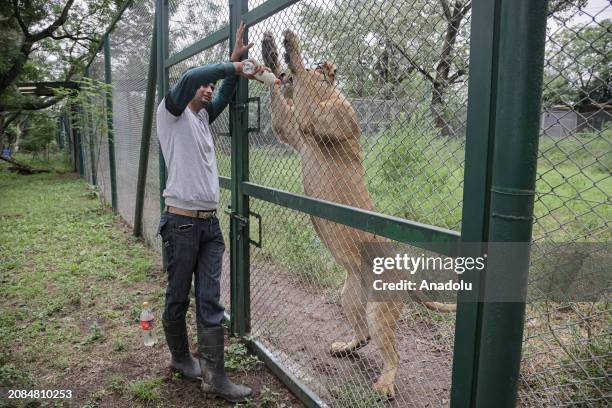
(189, 227)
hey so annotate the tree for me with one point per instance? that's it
(393, 49)
(46, 40)
(578, 65)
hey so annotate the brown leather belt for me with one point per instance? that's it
(191, 213)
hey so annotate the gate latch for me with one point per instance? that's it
(244, 221)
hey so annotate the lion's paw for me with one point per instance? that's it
(289, 36)
(343, 349)
(385, 390)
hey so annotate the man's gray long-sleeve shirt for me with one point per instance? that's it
(186, 140)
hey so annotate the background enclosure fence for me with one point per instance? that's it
(406, 67)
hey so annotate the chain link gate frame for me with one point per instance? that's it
(502, 129)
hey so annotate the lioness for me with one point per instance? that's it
(310, 114)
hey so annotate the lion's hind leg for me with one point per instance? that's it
(354, 306)
(384, 323)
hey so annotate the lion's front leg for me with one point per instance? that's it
(335, 121)
(292, 53)
(284, 122)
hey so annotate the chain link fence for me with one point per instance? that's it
(567, 353)
(399, 71)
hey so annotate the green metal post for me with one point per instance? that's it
(480, 137)
(519, 83)
(161, 16)
(58, 132)
(78, 145)
(239, 231)
(70, 134)
(147, 123)
(92, 137)
(162, 84)
(109, 112)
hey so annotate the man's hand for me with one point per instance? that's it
(240, 48)
(239, 66)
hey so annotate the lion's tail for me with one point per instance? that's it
(439, 307)
(431, 305)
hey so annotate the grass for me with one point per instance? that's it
(73, 280)
(69, 276)
(415, 175)
(355, 395)
(267, 399)
(147, 390)
(237, 357)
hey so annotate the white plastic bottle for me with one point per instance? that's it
(266, 77)
(147, 323)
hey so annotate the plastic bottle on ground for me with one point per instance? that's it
(147, 323)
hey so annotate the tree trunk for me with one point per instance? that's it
(22, 168)
(9, 77)
(441, 80)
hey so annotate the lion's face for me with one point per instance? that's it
(327, 72)
(324, 76)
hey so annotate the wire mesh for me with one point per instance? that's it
(566, 354)
(402, 157)
(83, 114)
(130, 44)
(192, 20)
(99, 129)
(388, 74)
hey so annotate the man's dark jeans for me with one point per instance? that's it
(193, 246)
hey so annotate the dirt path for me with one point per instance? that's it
(298, 322)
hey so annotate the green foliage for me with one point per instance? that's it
(53, 59)
(117, 382)
(90, 106)
(147, 390)
(11, 375)
(58, 249)
(237, 357)
(95, 334)
(577, 69)
(411, 172)
(362, 37)
(590, 151)
(355, 395)
(38, 132)
(587, 362)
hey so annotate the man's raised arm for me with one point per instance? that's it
(180, 95)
